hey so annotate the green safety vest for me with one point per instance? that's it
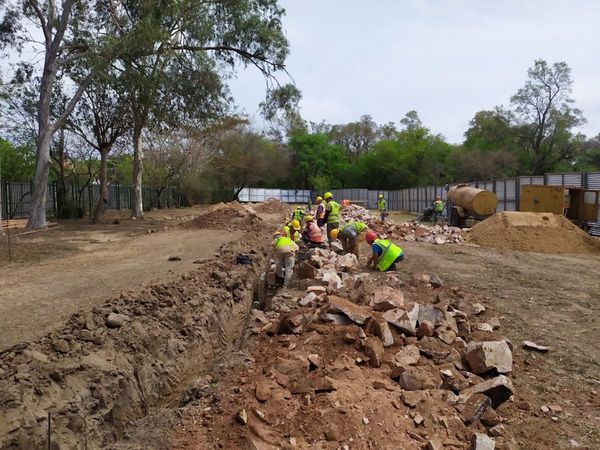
(334, 212)
(389, 254)
(381, 204)
(298, 215)
(283, 241)
(288, 233)
(358, 226)
(438, 206)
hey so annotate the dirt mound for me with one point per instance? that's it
(229, 216)
(111, 365)
(272, 206)
(532, 232)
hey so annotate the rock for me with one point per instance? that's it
(435, 281)
(485, 356)
(434, 444)
(525, 406)
(336, 246)
(308, 299)
(386, 298)
(447, 373)
(498, 430)
(408, 356)
(332, 433)
(470, 309)
(296, 365)
(374, 350)
(420, 278)
(410, 382)
(324, 384)
(446, 336)
(174, 258)
(116, 320)
(486, 327)
(293, 323)
(545, 409)
(494, 322)
(314, 360)
(533, 346)
(262, 391)
(403, 320)
(256, 315)
(412, 398)
(474, 408)
(418, 419)
(498, 389)
(490, 418)
(425, 329)
(431, 313)
(348, 263)
(358, 314)
(61, 346)
(242, 416)
(317, 289)
(365, 420)
(482, 442)
(337, 319)
(433, 348)
(381, 329)
(85, 335)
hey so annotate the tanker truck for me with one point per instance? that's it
(468, 203)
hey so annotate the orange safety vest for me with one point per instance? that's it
(314, 233)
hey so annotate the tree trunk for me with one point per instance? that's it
(37, 217)
(103, 198)
(137, 209)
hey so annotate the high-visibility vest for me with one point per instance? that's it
(314, 233)
(353, 229)
(298, 215)
(283, 243)
(334, 212)
(287, 230)
(389, 254)
(438, 206)
(381, 204)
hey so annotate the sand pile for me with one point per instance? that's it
(272, 206)
(229, 216)
(533, 232)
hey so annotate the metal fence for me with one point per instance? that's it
(15, 198)
(416, 199)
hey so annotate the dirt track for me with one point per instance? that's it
(35, 298)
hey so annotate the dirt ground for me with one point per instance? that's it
(77, 265)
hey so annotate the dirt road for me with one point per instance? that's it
(34, 298)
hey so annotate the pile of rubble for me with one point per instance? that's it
(411, 231)
(363, 360)
(356, 212)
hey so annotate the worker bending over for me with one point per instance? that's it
(320, 211)
(298, 214)
(332, 214)
(385, 253)
(292, 230)
(285, 251)
(312, 234)
(349, 236)
(381, 206)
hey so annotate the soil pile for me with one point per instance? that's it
(533, 232)
(272, 206)
(228, 216)
(107, 367)
(362, 360)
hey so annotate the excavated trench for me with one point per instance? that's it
(110, 367)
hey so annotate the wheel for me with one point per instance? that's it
(454, 218)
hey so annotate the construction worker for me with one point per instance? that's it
(312, 234)
(320, 211)
(438, 209)
(285, 250)
(349, 236)
(381, 206)
(332, 214)
(385, 253)
(298, 214)
(292, 230)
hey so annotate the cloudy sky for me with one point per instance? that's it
(447, 59)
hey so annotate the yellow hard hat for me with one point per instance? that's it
(319, 199)
(296, 225)
(308, 218)
(334, 233)
(328, 195)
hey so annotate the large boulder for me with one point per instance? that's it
(485, 356)
(356, 313)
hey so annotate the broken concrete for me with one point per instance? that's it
(485, 356)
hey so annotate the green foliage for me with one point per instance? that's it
(18, 163)
(120, 169)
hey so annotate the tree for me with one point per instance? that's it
(356, 137)
(179, 53)
(18, 163)
(544, 112)
(68, 37)
(492, 131)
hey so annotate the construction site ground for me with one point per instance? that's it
(549, 299)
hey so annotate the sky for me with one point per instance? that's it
(446, 59)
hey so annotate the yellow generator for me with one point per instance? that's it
(576, 204)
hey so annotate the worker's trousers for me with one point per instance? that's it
(284, 266)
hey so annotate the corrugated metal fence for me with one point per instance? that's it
(15, 200)
(418, 198)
